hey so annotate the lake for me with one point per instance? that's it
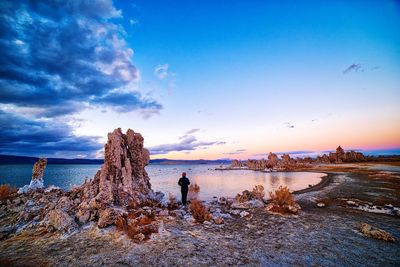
(165, 177)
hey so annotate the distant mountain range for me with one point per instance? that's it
(8, 159)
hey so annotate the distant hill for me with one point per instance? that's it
(8, 159)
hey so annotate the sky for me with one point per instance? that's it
(200, 79)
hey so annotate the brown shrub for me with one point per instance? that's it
(282, 201)
(258, 192)
(132, 216)
(144, 220)
(120, 223)
(132, 230)
(133, 205)
(194, 190)
(6, 190)
(245, 196)
(135, 228)
(147, 230)
(282, 197)
(172, 203)
(199, 211)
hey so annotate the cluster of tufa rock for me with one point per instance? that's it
(272, 163)
(120, 184)
(288, 163)
(341, 156)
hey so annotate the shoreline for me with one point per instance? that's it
(325, 181)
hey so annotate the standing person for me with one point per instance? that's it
(184, 183)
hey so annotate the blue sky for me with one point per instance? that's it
(204, 79)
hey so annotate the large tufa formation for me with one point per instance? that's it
(121, 182)
(341, 156)
(37, 176)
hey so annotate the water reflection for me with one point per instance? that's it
(165, 178)
(226, 183)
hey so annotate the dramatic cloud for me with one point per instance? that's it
(353, 67)
(161, 71)
(60, 57)
(58, 53)
(189, 143)
(21, 136)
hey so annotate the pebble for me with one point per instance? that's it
(163, 213)
(234, 212)
(244, 214)
(352, 203)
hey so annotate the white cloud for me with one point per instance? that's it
(161, 71)
(133, 21)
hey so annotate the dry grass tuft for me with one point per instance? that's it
(282, 196)
(193, 193)
(372, 232)
(172, 203)
(120, 223)
(258, 192)
(138, 229)
(6, 191)
(199, 211)
(145, 220)
(282, 201)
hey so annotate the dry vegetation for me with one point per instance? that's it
(137, 228)
(371, 232)
(172, 203)
(257, 193)
(282, 201)
(199, 211)
(194, 190)
(6, 191)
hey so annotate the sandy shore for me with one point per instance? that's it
(316, 237)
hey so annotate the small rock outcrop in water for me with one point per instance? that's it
(37, 176)
(122, 180)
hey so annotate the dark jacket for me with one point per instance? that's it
(184, 183)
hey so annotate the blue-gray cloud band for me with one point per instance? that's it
(60, 57)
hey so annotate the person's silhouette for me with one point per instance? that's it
(184, 183)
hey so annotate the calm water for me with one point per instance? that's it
(165, 177)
